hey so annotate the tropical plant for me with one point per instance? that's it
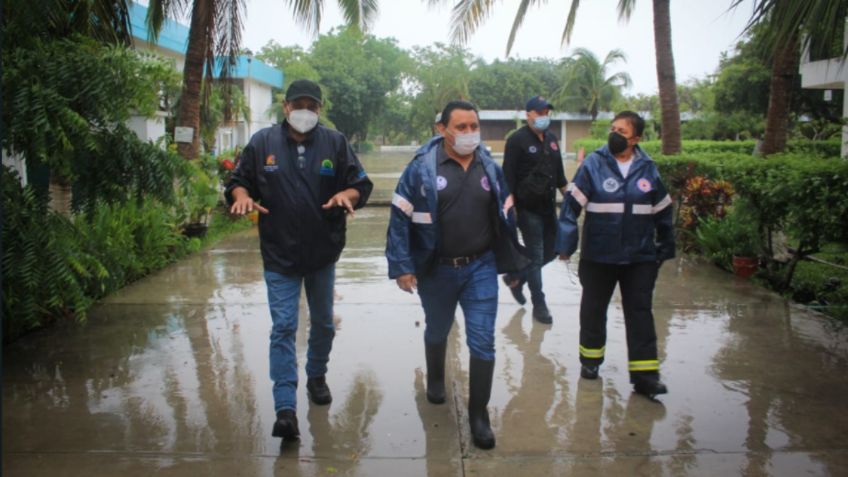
(215, 31)
(789, 25)
(468, 15)
(442, 74)
(588, 86)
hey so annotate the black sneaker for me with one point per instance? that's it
(648, 385)
(542, 315)
(286, 425)
(517, 289)
(589, 371)
(318, 391)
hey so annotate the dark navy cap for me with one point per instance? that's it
(538, 103)
(303, 89)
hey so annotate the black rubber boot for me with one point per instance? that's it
(435, 355)
(286, 425)
(480, 389)
(318, 390)
(542, 314)
(589, 371)
(648, 384)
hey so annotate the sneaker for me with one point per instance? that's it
(542, 315)
(286, 425)
(318, 391)
(516, 287)
(589, 371)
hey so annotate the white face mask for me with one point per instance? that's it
(302, 120)
(465, 144)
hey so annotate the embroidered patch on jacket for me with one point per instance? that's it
(610, 185)
(326, 167)
(441, 182)
(532, 149)
(554, 146)
(484, 183)
(270, 163)
(644, 185)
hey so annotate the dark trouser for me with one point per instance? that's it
(636, 281)
(539, 233)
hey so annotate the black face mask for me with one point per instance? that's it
(617, 143)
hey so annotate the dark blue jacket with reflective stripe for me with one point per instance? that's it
(628, 220)
(412, 241)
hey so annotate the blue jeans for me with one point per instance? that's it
(283, 299)
(475, 288)
(538, 233)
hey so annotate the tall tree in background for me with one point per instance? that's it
(790, 25)
(215, 31)
(586, 86)
(468, 15)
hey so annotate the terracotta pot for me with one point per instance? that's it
(744, 267)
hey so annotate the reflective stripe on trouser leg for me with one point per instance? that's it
(597, 353)
(637, 288)
(598, 280)
(644, 365)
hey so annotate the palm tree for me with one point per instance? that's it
(215, 31)
(468, 15)
(791, 25)
(587, 86)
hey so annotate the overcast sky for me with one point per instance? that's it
(701, 30)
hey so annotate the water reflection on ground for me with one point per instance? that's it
(170, 375)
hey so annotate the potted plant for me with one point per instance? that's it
(732, 242)
(198, 196)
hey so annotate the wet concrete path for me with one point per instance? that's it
(170, 377)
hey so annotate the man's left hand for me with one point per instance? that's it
(345, 199)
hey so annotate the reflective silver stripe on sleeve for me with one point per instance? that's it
(661, 204)
(577, 194)
(599, 208)
(642, 209)
(422, 218)
(401, 203)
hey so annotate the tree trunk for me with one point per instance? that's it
(60, 191)
(666, 78)
(783, 72)
(189, 113)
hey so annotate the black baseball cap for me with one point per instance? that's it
(303, 89)
(538, 103)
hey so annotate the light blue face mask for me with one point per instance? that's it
(542, 122)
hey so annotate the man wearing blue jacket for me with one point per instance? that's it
(627, 234)
(303, 178)
(450, 233)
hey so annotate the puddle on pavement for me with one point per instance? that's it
(178, 363)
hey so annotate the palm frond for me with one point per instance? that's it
(516, 24)
(569, 22)
(359, 13)
(307, 13)
(625, 9)
(466, 17)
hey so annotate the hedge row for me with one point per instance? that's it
(829, 148)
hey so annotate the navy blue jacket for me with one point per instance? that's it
(297, 236)
(412, 241)
(628, 220)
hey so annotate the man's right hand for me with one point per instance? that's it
(243, 203)
(407, 282)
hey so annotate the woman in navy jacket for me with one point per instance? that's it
(627, 234)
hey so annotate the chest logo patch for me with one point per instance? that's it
(270, 163)
(484, 183)
(326, 167)
(610, 185)
(441, 182)
(644, 185)
(554, 146)
(532, 149)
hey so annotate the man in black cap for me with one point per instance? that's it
(303, 178)
(533, 169)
